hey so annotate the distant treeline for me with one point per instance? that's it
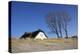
(75, 36)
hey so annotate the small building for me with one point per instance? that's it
(39, 34)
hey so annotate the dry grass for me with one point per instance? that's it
(21, 45)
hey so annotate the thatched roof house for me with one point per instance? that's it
(39, 34)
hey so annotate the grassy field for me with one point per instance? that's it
(21, 45)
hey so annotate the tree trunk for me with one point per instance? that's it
(57, 35)
(61, 34)
(66, 33)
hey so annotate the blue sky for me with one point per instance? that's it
(28, 17)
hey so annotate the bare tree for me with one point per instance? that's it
(53, 23)
(57, 21)
(65, 20)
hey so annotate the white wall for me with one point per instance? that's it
(41, 36)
